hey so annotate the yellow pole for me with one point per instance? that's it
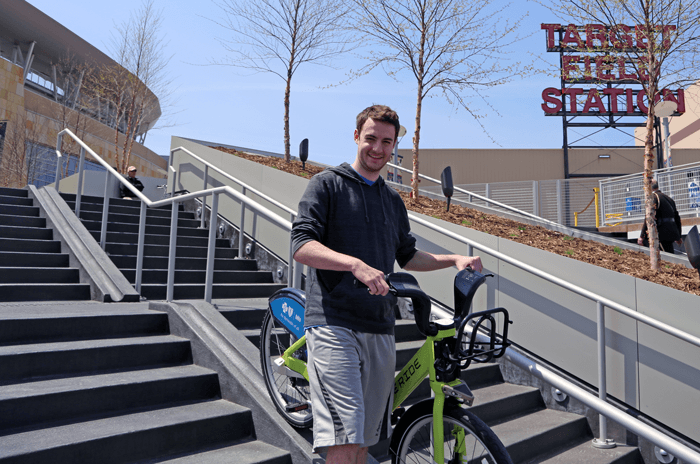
(597, 210)
(575, 219)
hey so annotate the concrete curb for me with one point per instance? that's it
(218, 345)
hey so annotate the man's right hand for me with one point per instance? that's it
(640, 241)
(373, 278)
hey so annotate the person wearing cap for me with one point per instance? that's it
(124, 191)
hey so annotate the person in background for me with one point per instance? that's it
(668, 222)
(124, 192)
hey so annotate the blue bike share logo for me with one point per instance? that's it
(290, 313)
(694, 194)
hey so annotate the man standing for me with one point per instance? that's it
(351, 225)
(668, 222)
(124, 192)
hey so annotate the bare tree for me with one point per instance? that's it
(139, 83)
(658, 40)
(456, 47)
(278, 36)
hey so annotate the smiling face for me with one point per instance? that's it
(375, 144)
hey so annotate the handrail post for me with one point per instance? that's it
(291, 266)
(140, 247)
(171, 252)
(204, 198)
(105, 212)
(211, 250)
(241, 228)
(173, 170)
(560, 218)
(535, 198)
(59, 161)
(603, 441)
(596, 192)
(79, 193)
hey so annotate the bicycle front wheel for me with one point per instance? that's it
(467, 439)
(291, 395)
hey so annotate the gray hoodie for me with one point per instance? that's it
(341, 211)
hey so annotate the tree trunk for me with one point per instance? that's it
(287, 149)
(416, 142)
(650, 212)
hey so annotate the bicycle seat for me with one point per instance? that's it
(406, 285)
(467, 282)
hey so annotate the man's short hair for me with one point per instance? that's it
(379, 113)
(654, 184)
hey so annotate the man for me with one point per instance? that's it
(353, 226)
(124, 192)
(668, 222)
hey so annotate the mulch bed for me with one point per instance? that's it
(627, 262)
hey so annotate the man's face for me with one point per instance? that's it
(375, 144)
(132, 174)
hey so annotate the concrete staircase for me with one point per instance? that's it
(97, 382)
(32, 265)
(531, 432)
(233, 277)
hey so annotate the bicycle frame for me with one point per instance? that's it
(412, 374)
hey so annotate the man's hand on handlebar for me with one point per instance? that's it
(372, 278)
(472, 262)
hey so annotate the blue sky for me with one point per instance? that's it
(223, 104)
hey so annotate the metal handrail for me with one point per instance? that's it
(601, 302)
(476, 195)
(294, 271)
(174, 201)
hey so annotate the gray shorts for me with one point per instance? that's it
(352, 384)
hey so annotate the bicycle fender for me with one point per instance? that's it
(287, 306)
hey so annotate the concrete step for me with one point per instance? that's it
(586, 453)
(193, 291)
(132, 209)
(19, 210)
(44, 292)
(15, 259)
(498, 402)
(163, 250)
(14, 192)
(150, 276)
(42, 322)
(21, 221)
(133, 437)
(30, 245)
(15, 200)
(39, 404)
(133, 228)
(70, 197)
(189, 264)
(21, 363)
(528, 436)
(26, 232)
(244, 452)
(134, 219)
(153, 239)
(55, 275)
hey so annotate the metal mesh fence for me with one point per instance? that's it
(622, 198)
(554, 200)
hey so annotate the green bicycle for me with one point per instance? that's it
(446, 352)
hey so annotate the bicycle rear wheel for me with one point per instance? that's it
(291, 395)
(466, 438)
